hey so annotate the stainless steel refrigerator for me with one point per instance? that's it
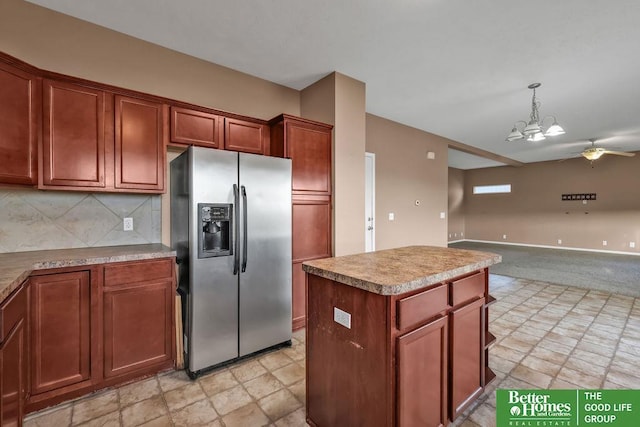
(231, 228)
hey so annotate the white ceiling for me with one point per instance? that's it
(455, 68)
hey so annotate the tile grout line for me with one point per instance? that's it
(615, 352)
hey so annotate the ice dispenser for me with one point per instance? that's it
(215, 238)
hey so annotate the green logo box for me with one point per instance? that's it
(551, 408)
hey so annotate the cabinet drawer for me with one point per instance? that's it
(11, 311)
(420, 307)
(467, 289)
(138, 271)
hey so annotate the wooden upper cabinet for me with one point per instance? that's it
(73, 148)
(20, 112)
(195, 127)
(140, 144)
(308, 145)
(246, 136)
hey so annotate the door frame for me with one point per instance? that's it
(370, 182)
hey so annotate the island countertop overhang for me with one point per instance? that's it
(400, 270)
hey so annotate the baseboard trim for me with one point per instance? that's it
(566, 248)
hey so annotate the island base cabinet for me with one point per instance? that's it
(347, 367)
(413, 359)
(422, 375)
(467, 355)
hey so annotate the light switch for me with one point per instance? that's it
(443, 215)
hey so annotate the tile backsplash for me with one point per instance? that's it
(36, 220)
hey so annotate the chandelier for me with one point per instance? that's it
(533, 131)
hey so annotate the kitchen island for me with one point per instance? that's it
(397, 337)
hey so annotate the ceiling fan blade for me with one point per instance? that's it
(619, 153)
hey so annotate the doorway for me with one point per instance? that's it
(370, 201)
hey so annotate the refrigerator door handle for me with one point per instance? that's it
(236, 254)
(244, 234)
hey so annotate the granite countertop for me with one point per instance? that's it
(396, 271)
(17, 266)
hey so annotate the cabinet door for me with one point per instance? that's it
(60, 330)
(73, 149)
(13, 376)
(247, 137)
(196, 128)
(140, 139)
(422, 376)
(19, 122)
(466, 355)
(137, 327)
(311, 229)
(309, 148)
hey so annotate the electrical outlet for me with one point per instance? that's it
(632, 244)
(604, 243)
(392, 216)
(342, 317)
(127, 224)
(559, 241)
(449, 235)
(443, 215)
(504, 237)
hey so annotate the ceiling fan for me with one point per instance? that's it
(594, 153)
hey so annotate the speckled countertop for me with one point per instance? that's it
(396, 271)
(17, 266)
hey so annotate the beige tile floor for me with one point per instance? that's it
(549, 336)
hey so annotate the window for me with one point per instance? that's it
(491, 189)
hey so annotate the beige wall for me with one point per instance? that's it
(404, 175)
(456, 205)
(340, 100)
(535, 214)
(57, 42)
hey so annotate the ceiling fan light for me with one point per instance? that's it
(536, 137)
(554, 130)
(514, 135)
(532, 128)
(592, 154)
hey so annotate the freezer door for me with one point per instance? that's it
(265, 256)
(213, 297)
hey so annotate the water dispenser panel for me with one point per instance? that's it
(215, 233)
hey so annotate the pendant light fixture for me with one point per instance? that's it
(533, 130)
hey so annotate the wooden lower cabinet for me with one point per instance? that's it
(137, 327)
(60, 331)
(422, 375)
(13, 359)
(98, 326)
